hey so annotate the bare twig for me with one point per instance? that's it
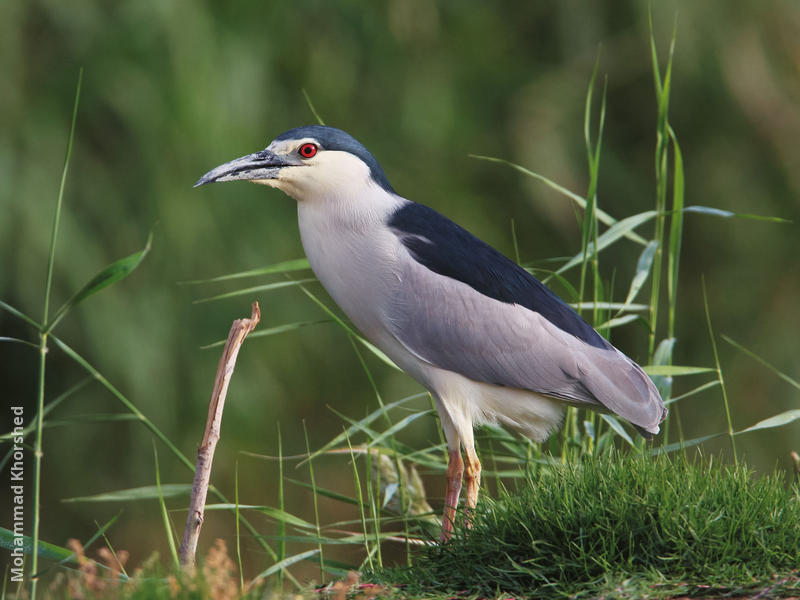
(205, 453)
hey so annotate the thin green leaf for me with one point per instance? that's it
(272, 512)
(572, 292)
(777, 421)
(697, 390)
(720, 375)
(653, 52)
(400, 425)
(611, 235)
(147, 492)
(116, 271)
(757, 358)
(681, 445)
(617, 427)
(663, 353)
(55, 402)
(349, 538)
(20, 315)
(602, 216)
(718, 212)
(643, 267)
(608, 306)
(372, 348)
(286, 266)
(663, 357)
(324, 492)
(164, 513)
(271, 331)
(311, 107)
(19, 341)
(57, 218)
(675, 370)
(45, 550)
(286, 562)
(101, 531)
(675, 232)
(252, 290)
(617, 321)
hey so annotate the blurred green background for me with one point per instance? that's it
(174, 88)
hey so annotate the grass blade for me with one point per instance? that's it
(719, 373)
(258, 288)
(20, 315)
(674, 370)
(683, 444)
(14, 340)
(271, 331)
(350, 330)
(617, 322)
(38, 453)
(273, 513)
(283, 564)
(643, 267)
(602, 216)
(726, 214)
(286, 266)
(793, 382)
(164, 513)
(617, 427)
(360, 425)
(608, 306)
(45, 550)
(116, 271)
(780, 420)
(324, 492)
(697, 390)
(316, 505)
(236, 521)
(311, 107)
(59, 203)
(611, 235)
(675, 233)
(146, 492)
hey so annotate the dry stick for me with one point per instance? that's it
(205, 453)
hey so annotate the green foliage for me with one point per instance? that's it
(619, 526)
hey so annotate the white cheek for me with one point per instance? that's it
(268, 182)
(329, 175)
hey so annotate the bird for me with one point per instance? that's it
(489, 341)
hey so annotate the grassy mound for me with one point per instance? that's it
(622, 527)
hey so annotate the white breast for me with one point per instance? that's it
(355, 255)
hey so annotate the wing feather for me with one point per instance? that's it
(449, 324)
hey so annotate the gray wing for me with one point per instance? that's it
(447, 323)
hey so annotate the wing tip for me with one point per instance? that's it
(650, 431)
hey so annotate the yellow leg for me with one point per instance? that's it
(473, 477)
(455, 471)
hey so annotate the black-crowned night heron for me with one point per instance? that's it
(490, 342)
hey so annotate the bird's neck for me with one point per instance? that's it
(352, 251)
(344, 213)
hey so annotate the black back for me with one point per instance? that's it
(450, 250)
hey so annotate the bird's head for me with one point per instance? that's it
(307, 163)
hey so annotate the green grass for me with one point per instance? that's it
(621, 526)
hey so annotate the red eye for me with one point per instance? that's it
(308, 150)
